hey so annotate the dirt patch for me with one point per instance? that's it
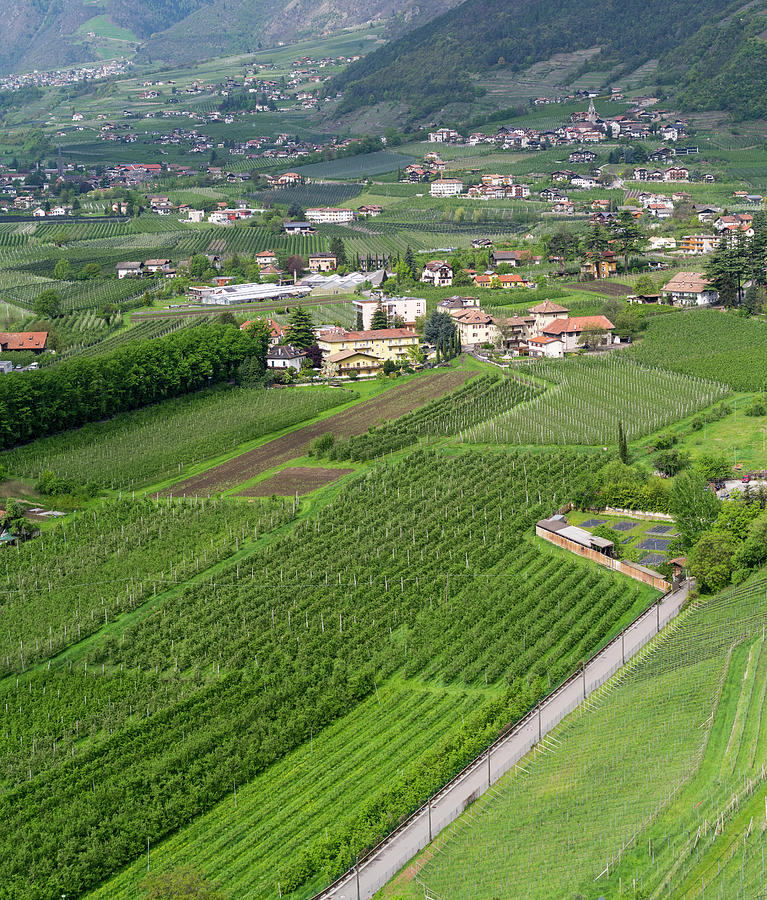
(298, 480)
(390, 405)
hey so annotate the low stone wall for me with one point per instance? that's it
(637, 514)
(633, 570)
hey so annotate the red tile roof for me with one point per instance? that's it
(23, 340)
(578, 323)
(548, 307)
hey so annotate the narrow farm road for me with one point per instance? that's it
(417, 832)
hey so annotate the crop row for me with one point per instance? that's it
(589, 396)
(423, 566)
(147, 445)
(480, 399)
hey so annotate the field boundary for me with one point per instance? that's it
(384, 860)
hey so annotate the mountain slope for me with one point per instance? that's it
(435, 63)
(44, 34)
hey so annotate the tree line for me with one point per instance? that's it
(81, 390)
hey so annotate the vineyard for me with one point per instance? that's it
(152, 444)
(92, 569)
(588, 396)
(707, 344)
(662, 765)
(482, 398)
(252, 662)
(308, 195)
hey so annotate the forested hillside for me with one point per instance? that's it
(435, 64)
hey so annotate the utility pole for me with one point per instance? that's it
(357, 872)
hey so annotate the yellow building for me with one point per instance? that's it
(382, 343)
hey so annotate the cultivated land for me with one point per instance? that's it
(391, 404)
(251, 654)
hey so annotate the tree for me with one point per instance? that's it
(380, 319)
(623, 450)
(710, 561)
(410, 262)
(562, 244)
(629, 236)
(402, 271)
(712, 466)
(727, 267)
(591, 338)
(295, 265)
(461, 278)
(338, 249)
(416, 355)
(645, 286)
(300, 332)
(62, 271)
(439, 329)
(180, 884)
(48, 303)
(671, 461)
(594, 240)
(695, 508)
(628, 323)
(199, 265)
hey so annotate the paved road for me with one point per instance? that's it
(392, 854)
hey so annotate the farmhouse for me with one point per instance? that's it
(299, 228)
(689, 289)
(266, 258)
(571, 330)
(546, 346)
(322, 262)
(602, 266)
(130, 269)
(545, 313)
(157, 265)
(24, 340)
(437, 273)
(344, 362)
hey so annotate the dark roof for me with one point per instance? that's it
(285, 351)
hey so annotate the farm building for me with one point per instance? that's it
(233, 294)
(23, 340)
(558, 525)
(689, 289)
(344, 362)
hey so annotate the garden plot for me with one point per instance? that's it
(297, 480)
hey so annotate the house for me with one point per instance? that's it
(444, 136)
(299, 228)
(564, 207)
(195, 215)
(676, 173)
(600, 266)
(383, 343)
(661, 243)
(585, 182)
(157, 265)
(344, 362)
(39, 213)
(512, 280)
(409, 309)
(582, 156)
(570, 330)
(370, 209)
(689, 289)
(329, 215)
(736, 222)
(546, 346)
(446, 187)
(545, 313)
(24, 340)
(266, 258)
(706, 213)
(285, 356)
(514, 330)
(452, 303)
(322, 262)
(512, 257)
(698, 244)
(129, 269)
(475, 327)
(437, 273)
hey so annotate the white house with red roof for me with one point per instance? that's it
(570, 330)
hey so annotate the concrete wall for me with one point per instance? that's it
(636, 572)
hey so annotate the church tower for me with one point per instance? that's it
(591, 115)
